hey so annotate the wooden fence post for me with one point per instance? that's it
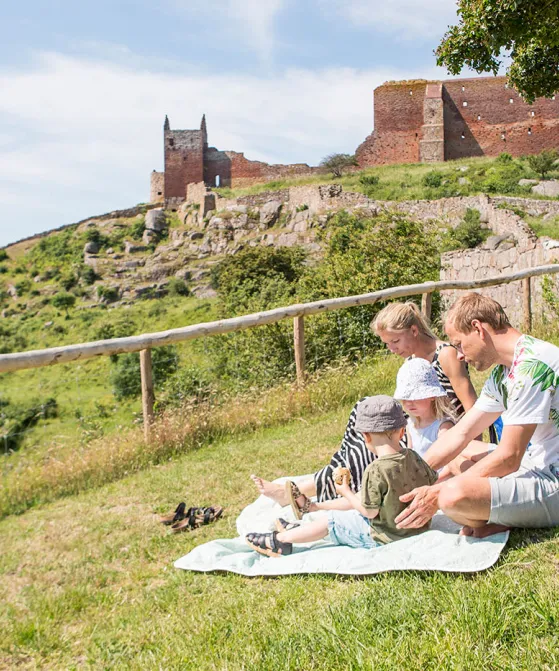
(527, 304)
(148, 395)
(426, 300)
(299, 346)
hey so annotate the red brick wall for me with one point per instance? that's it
(398, 121)
(488, 98)
(184, 160)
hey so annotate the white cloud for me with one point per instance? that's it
(89, 133)
(407, 19)
(247, 22)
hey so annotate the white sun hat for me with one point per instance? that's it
(417, 380)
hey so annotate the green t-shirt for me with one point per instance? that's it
(384, 481)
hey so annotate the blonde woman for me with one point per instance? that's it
(404, 330)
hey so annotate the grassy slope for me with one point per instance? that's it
(88, 582)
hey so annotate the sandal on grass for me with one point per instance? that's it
(197, 517)
(268, 544)
(284, 525)
(177, 516)
(293, 493)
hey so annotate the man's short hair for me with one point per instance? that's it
(475, 306)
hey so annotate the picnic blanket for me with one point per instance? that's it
(439, 549)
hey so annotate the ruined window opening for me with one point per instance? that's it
(552, 97)
(171, 143)
(503, 137)
(529, 131)
(506, 86)
(160, 193)
(411, 93)
(479, 117)
(465, 103)
(511, 100)
(463, 88)
(174, 210)
(463, 136)
(533, 113)
(217, 180)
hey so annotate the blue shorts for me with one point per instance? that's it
(348, 527)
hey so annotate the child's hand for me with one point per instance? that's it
(343, 489)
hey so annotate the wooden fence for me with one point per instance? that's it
(144, 343)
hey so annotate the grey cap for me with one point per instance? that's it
(377, 414)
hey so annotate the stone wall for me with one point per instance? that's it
(480, 117)
(157, 187)
(514, 247)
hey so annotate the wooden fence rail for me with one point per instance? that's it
(144, 343)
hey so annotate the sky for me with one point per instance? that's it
(85, 87)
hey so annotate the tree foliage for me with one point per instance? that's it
(338, 163)
(528, 30)
(544, 162)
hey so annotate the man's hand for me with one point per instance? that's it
(424, 504)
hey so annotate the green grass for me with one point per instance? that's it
(88, 582)
(549, 228)
(405, 181)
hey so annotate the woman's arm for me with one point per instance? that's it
(457, 373)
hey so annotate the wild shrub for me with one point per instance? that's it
(125, 373)
(56, 250)
(88, 275)
(502, 178)
(11, 338)
(337, 164)
(504, 157)
(22, 287)
(187, 385)
(470, 233)
(177, 287)
(544, 162)
(433, 179)
(361, 255)
(4, 255)
(17, 418)
(107, 294)
(63, 301)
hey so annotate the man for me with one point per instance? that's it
(515, 484)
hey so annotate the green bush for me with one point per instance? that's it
(369, 180)
(188, 384)
(137, 229)
(107, 294)
(88, 275)
(502, 178)
(504, 157)
(4, 255)
(63, 301)
(468, 234)
(177, 287)
(433, 179)
(11, 339)
(544, 162)
(17, 419)
(125, 373)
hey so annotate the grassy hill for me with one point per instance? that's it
(88, 582)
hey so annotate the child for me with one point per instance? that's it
(425, 401)
(365, 520)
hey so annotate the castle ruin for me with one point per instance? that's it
(188, 159)
(423, 121)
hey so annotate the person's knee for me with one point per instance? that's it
(451, 496)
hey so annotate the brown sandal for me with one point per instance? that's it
(197, 517)
(293, 493)
(177, 516)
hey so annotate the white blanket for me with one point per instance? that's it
(440, 549)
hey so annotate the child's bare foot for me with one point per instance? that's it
(484, 531)
(271, 489)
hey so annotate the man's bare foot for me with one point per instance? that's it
(484, 531)
(272, 490)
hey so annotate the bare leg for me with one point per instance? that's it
(467, 501)
(306, 533)
(276, 491)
